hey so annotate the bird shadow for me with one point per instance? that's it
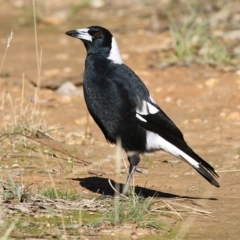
(102, 186)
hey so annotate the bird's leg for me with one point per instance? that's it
(133, 160)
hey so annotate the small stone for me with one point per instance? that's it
(134, 235)
(62, 56)
(81, 121)
(68, 89)
(22, 208)
(235, 116)
(211, 82)
(19, 3)
(174, 176)
(196, 120)
(179, 102)
(67, 70)
(217, 33)
(145, 171)
(73, 226)
(223, 114)
(15, 165)
(51, 72)
(232, 35)
(175, 161)
(97, 3)
(65, 99)
(238, 82)
(125, 56)
(168, 99)
(56, 18)
(158, 89)
(63, 40)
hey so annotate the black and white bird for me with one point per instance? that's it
(122, 107)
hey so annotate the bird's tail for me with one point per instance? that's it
(202, 167)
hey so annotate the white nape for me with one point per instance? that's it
(156, 142)
(146, 108)
(114, 55)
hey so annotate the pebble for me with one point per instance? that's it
(81, 121)
(62, 56)
(238, 82)
(22, 208)
(211, 82)
(19, 3)
(63, 40)
(134, 235)
(196, 120)
(73, 226)
(65, 99)
(175, 161)
(189, 173)
(15, 165)
(223, 114)
(67, 70)
(68, 89)
(52, 72)
(235, 116)
(232, 35)
(168, 99)
(158, 89)
(56, 18)
(97, 3)
(125, 56)
(179, 102)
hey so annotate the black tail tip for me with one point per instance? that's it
(215, 183)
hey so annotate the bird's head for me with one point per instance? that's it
(98, 40)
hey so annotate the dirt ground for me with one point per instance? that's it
(202, 101)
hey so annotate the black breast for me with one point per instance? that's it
(111, 93)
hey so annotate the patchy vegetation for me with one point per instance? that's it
(55, 163)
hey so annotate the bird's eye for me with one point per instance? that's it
(97, 34)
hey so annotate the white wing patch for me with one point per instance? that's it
(155, 142)
(140, 118)
(146, 108)
(114, 53)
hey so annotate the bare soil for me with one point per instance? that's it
(202, 101)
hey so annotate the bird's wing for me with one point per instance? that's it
(163, 134)
(153, 117)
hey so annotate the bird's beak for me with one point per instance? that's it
(80, 34)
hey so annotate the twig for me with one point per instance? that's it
(193, 209)
(174, 210)
(122, 195)
(5, 53)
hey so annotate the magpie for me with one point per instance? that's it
(123, 108)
